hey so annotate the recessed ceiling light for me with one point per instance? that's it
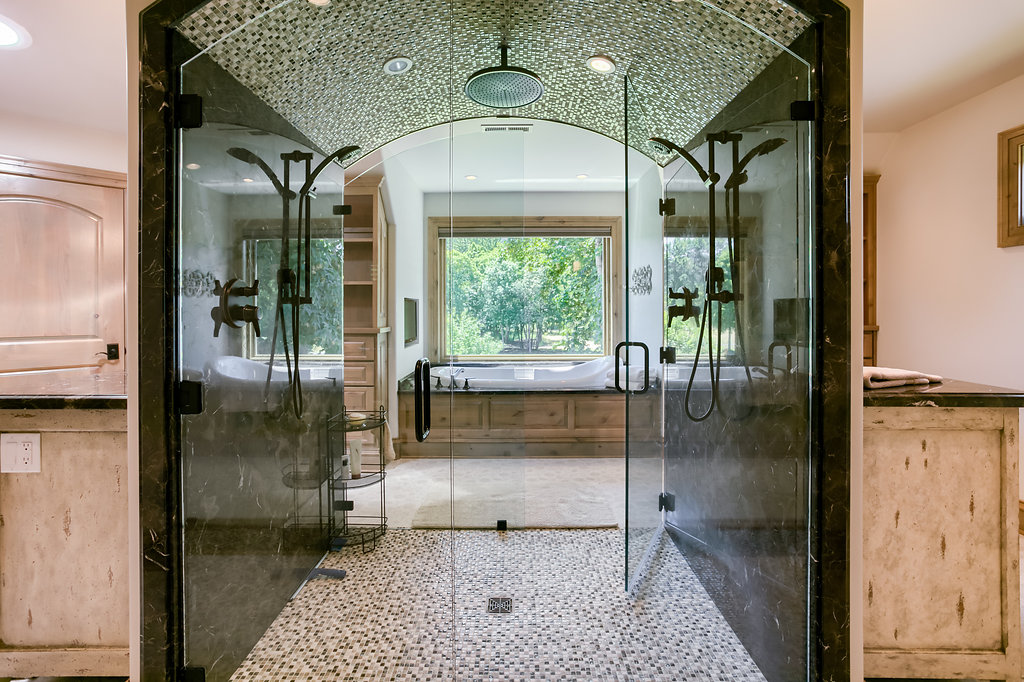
(246, 179)
(193, 166)
(471, 177)
(582, 176)
(397, 66)
(12, 35)
(320, 3)
(601, 64)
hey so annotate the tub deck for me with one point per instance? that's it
(542, 423)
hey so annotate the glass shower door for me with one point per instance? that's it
(260, 316)
(638, 372)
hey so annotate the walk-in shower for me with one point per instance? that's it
(632, 229)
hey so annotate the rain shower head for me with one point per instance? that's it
(246, 156)
(504, 87)
(663, 146)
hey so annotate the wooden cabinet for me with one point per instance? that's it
(941, 576)
(366, 304)
(870, 252)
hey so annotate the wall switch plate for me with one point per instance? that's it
(19, 453)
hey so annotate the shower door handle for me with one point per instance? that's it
(647, 365)
(421, 387)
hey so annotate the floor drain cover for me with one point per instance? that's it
(499, 605)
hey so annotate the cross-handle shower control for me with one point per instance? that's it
(232, 312)
(715, 281)
(688, 310)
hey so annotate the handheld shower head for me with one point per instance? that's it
(246, 156)
(663, 146)
(340, 156)
(739, 173)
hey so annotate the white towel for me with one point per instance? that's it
(633, 379)
(887, 377)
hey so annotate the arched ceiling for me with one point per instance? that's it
(321, 68)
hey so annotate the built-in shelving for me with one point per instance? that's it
(366, 305)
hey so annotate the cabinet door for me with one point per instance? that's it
(64, 302)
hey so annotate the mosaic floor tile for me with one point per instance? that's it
(392, 616)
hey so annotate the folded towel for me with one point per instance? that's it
(633, 379)
(887, 377)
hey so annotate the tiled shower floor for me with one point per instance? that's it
(391, 617)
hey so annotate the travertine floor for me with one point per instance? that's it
(392, 616)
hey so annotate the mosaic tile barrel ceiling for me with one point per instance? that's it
(321, 68)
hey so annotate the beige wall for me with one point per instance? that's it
(948, 298)
(38, 139)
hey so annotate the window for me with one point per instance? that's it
(686, 262)
(524, 287)
(321, 321)
(1011, 188)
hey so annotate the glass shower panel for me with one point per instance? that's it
(493, 304)
(260, 314)
(738, 437)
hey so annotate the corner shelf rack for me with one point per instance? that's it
(344, 526)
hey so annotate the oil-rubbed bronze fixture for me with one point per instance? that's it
(231, 311)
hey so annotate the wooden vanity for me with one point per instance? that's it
(941, 574)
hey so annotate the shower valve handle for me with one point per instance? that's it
(688, 310)
(250, 314)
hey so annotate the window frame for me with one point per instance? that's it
(1010, 228)
(440, 228)
(749, 253)
(252, 230)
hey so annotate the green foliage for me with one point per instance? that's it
(686, 261)
(321, 323)
(535, 294)
(468, 336)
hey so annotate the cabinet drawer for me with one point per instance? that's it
(358, 373)
(359, 347)
(360, 398)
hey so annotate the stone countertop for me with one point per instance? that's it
(949, 393)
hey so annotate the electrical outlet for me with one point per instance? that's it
(19, 453)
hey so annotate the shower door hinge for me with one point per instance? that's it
(188, 397)
(188, 111)
(803, 110)
(667, 355)
(666, 206)
(191, 674)
(666, 502)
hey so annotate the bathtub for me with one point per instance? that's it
(236, 384)
(678, 376)
(591, 375)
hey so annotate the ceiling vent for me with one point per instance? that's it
(520, 128)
